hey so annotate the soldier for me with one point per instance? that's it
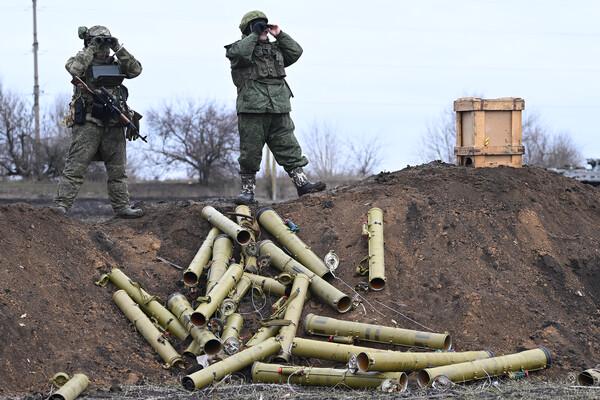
(263, 103)
(97, 135)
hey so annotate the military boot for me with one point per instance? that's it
(129, 212)
(62, 210)
(246, 196)
(303, 185)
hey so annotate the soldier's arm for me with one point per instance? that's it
(240, 52)
(78, 64)
(290, 49)
(130, 66)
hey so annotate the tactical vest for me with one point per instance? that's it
(267, 64)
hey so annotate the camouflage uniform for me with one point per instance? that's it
(92, 138)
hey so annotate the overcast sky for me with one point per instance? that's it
(383, 68)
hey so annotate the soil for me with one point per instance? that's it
(503, 259)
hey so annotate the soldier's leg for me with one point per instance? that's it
(252, 128)
(114, 154)
(84, 145)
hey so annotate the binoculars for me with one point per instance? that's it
(103, 40)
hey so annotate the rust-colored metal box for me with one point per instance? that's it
(488, 132)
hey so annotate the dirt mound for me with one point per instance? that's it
(503, 259)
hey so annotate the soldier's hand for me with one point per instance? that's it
(274, 30)
(114, 45)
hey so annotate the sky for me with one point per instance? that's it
(381, 69)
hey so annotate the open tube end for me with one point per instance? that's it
(243, 237)
(188, 383)
(423, 379)
(447, 343)
(585, 379)
(343, 305)
(377, 284)
(362, 361)
(403, 382)
(198, 319)
(548, 356)
(212, 347)
(190, 278)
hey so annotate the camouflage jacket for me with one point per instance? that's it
(258, 72)
(79, 65)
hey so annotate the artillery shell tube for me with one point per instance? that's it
(324, 326)
(309, 348)
(589, 377)
(374, 230)
(271, 221)
(292, 314)
(268, 285)
(72, 388)
(529, 360)
(318, 286)
(241, 235)
(206, 340)
(299, 375)
(222, 252)
(194, 349)
(148, 303)
(181, 308)
(145, 326)
(409, 361)
(192, 274)
(230, 304)
(249, 251)
(218, 293)
(231, 333)
(231, 364)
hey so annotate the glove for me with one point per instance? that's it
(114, 45)
(259, 27)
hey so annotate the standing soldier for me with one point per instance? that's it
(263, 103)
(97, 134)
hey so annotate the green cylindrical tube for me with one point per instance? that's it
(222, 252)
(292, 314)
(244, 219)
(144, 325)
(194, 349)
(309, 348)
(218, 293)
(273, 223)
(589, 377)
(72, 388)
(268, 285)
(231, 333)
(148, 303)
(231, 364)
(262, 334)
(318, 286)
(181, 308)
(529, 360)
(230, 304)
(206, 340)
(374, 231)
(313, 376)
(192, 274)
(242, 236)
(412, 361)
(324, 326)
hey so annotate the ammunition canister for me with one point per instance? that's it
(148, 303)
(144, 325)
(72, 388)
(179, 305)
(231, 364)
(324, 326)
(230, 304)
(206, 340)
(268, 285)
(374, 231)
(192, 274)
(222, 252)
(218, 293)
(271, 221)
(292, 314)
(313, 376)
(231, 333)
(529, 360)
(242, 236)
(318, 286)
(589, 377)
(412, 361)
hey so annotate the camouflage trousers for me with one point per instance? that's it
(274, 130)
(89, 141)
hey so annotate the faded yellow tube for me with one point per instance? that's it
(325, 326)
(206, 340)
(273, 223)
(72, 388)
(412, 361)
(262, 334)
(231, 303)
(222, 252)
(148, 303)
(231, 333)
(194, 349)
(231, 364)
(292, 314)
(322, 289)
(268, 285)
(216, 296)
(242, 236)
(147, 329)
(192, 274)
(374, 231)
(309, 348)
(529, 360)
(313, 376)
(179, 305)
(589, 377)
(244, 219)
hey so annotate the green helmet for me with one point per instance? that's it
(251, 16)
(97, 30)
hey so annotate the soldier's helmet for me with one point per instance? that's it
(251, 16)
(97, 30)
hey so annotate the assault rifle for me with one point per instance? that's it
(104, 97)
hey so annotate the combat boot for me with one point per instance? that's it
(129, 212)
(303, 185)
(246, 196)
(60, 209)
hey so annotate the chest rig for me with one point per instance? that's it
(267, 63)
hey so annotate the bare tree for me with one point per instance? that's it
(364, 156)
(440, 138)
(17, 154)
(55, 138)
(324, 151)
(201, 137)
